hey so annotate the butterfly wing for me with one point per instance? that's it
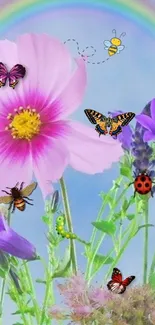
(3, 74)
(28, 189)
(119, 121)
(128, 280)
(120, 48)
(6, 199)
(17, 72)
(97, 118)
(115, 285)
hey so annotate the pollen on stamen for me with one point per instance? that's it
(21, 108)
(15, 110)
(33, 110)
(10, 116)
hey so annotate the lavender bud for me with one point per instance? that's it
(55, 201)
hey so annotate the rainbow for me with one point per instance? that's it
(139, 11)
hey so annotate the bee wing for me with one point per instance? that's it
(28, 189)
(6, 199)
(120, 48)
(107, 44)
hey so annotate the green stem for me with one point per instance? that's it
(49, 284)
(69, 223)
(145, 266)
(90, 263)
(132, 227)
(35, 304)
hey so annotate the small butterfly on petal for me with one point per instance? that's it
(17, 72)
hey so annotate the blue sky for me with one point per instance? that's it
(125, 82)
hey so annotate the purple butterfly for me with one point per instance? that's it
(17, 72)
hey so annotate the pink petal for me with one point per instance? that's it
(152, 108)
(48, 63)
(72, 95)
(148, 136)
(88, 152)
(50, 158)
(146, 121)
(15, 161)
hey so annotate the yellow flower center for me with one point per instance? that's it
(24, 124)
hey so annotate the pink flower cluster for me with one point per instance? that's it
(82, 301)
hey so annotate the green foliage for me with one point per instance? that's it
(107, 227)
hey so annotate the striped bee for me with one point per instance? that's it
(115, 44)
(102, 122)
(17, 197)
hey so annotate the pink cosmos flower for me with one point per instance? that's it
(36, 135)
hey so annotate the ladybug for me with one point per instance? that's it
(143, 184)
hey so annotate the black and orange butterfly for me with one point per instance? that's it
(102, 122)
(117, 284)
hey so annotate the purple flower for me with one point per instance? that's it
(148, 122)
(14, 244)
(125, 137)
(84, 310)
(98, 296)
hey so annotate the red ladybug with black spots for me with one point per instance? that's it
(143, 183)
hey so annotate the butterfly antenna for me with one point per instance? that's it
(122, 35)
(114, 32)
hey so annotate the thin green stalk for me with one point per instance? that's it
(132, 226)
(152, 266)
(49, 283)
(35, 304)
(104, 203)
(90, 262)
(146, 235)
(69, 223)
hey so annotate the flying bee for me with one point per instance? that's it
(18, 196)
(114, 45)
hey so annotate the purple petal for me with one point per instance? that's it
(152, 108)
(152, 173)
(148, 136)
(14, 244)
(146, 122)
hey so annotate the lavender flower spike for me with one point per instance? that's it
(14, 244)
(125, 137)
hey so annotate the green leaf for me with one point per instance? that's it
(46, 220)
(64, 268)
(152, 280)
(14, 261)
(126, 171)
(2, 273)
(130, 216)
(99, 261)
(40, 281)
(105, 226)
(28, 310)
(143, 226)
(18, 323)
(125, 205)
(116, 216)
(106, 197)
